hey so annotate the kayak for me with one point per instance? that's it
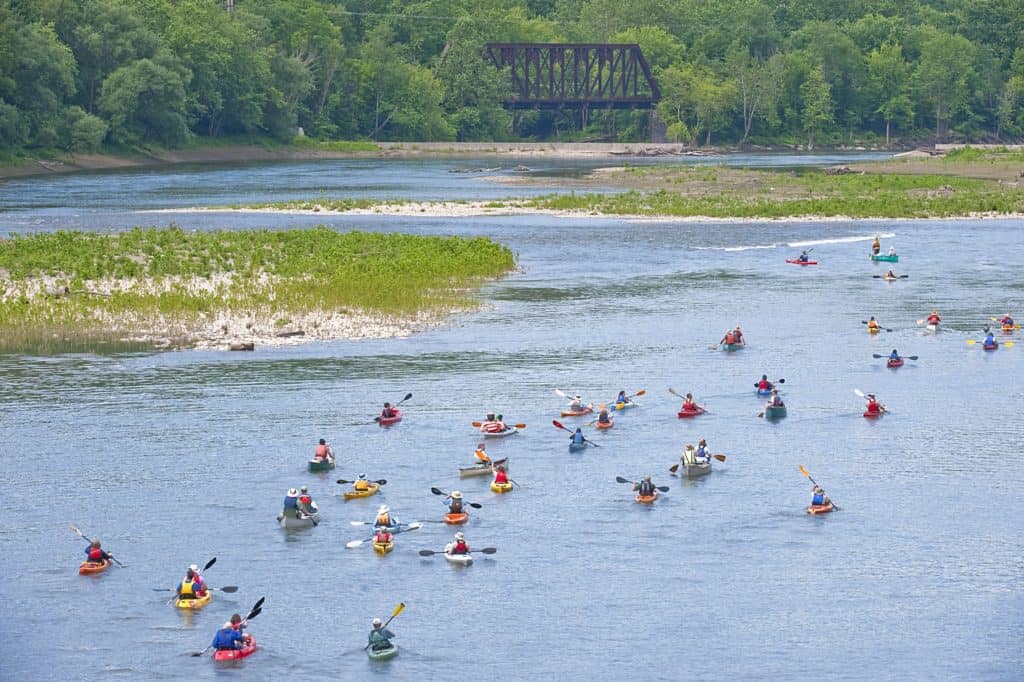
(577, 447)
(933, 327)
(481, 469)
(236, 654)
(684, 414)
(605, 425)
(764, 391)
(509, 430)
(298, 522)
(795, 261)
(730, 347)
(89, 567)
(383, 654)
(317, 465)
(1008, 328)
(777, 412)
(696, 470)
(990, 347)
(197, 603)
(887, 278)
(873, 415)
(820, 508)
(577, 413)
(456, 519)
(388, 421)
(888, 259)
(626, 406)
(461, 559)
(874, 330)
(383, 548)
(894, 364)
(353, 494)
(500, 487)
(647, 499)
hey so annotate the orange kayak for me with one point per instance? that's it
(605, 425)
(647, 499)
(820, 508)
(456, 519)
(576, 413)
(89, 567)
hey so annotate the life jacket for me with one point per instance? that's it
(894, 356)
(482, 456)
(96, 555)
(578, 438)
(291, 502)
(455, 507)
(872, 324)
(1006, 321)
(934, 319)
(764, 384)
(873, 407)
(306, 500)
(382, 537)
(646, 488)
(819, 498)
(492, 427)
(730, 339)
(361, 485)
(460, 548)
(603, 418)
(500, 477)
(702, 452)
(321, 451)
(990, 340)
(384, 520)
(387, 413)
(188, 589)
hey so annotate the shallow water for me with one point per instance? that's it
(175, 457)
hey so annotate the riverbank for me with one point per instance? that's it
(237, 289)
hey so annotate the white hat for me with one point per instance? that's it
(194, 568)
(376, 622)
(460, 536)
(383, 509)
(292, 492)
(456, 495)
(362, 476)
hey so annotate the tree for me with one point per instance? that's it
(1011, 102)
(697, 98)
(756, 86)
(84, 132)
(942, 77)
(887, 84)
(817, 105)
(146, 100)
(659, 47)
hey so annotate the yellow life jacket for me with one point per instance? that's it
(384, 519)
(188, 590)
(361, 485)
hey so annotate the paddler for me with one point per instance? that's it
(323, 451)
(306, 504)
(491, 424)
(876, 247)
(454, 502)
(894, 355)
(500, 477)
(383, 536)
(764, 384)
(891, 275)
(729, 338)
(934, 318)
(192, 586)
(361, 484)
(458, 546)
(702, 454)
(776, 399)
(380, 637)
(803, 257)
(501, 423)
(603, 416)
(689, 404)
(481, 453)
(873, 406)
(872, 325)
(94, 554)
(576, 404)
(689, 456)
(230, 636)
(990, 339)
(645, 487)
(1007, 321)
(622, 398)
(578, 438)
(818, 496)
(291, 504)
(384, 517)
(388, 412)
(738, 334)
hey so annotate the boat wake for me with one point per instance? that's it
(800, 244)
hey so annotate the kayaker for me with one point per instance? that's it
(361, 484)
(702, 451)
(388, 412)
(576, 404)
(776, 399)
(480, 453)
(291, 504)
(230, 636)
(306, 503)
(894, 355)
(818, 496)
(380, 637)
(990, 339)
(323, 451)
(603, 416)
(578, 438)
(934, 318)
(876, 246)
(621, 398)
(891, 275)
(458, 546)
(501, 423)
(454, 502)
(192, 586)
(689, 404)
(492, 424)
(646, 487)
(873, 406)
(892, 250)
(384, 517)
(872, 325)
(764, 384)
(729, 338)
(1007, 321)
(803, 257)
(382, 537)
(94, 554)
(500, 477)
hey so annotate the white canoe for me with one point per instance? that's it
(696, 470)
(293, 523)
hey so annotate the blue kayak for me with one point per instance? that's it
(764, 391)
(576, 447)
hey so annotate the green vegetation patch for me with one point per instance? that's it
(89, 284)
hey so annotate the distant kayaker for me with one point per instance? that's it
(291, 504)
(645, 487)
(622, 398)
(1007, 321)
(192, 586)
(702, 451)
(603, 416)
(891, 275)
(738, 334)
(873, 406)
(764, 384)
(481, 453)
(500, 477)
(361, 484)
(458, 546)
(382, 537)
(230, 636)
(306, 504)
(934, 318)
(380, 637)
(576, 404)
(990, 339)
(388, 412)
(872, 325)
(803, 257)
(892, 250)
(94, 554)
(876, 246)
(689, 404)
(578, 438)
(894, 355)
(454, 502)
(384, 517)
(818, 496)
(501, 423)
(323, 450)
(776, 399)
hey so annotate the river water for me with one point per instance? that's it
(175, 457)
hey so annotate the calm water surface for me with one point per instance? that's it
(175, 457)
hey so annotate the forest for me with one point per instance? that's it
(86, 75)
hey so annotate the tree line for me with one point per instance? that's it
(81, 75)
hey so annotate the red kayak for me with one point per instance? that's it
(992, 347)
(794, 261)
(873, 415)
(683, 414)
(893, 364)
(388, 421)
(236, 654)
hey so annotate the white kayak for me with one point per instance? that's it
(499, 434)
(461, 559)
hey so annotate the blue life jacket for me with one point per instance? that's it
(577, 438)
(818, 499)
(990, 340)
(703, 452)
(227, 638)
(291, 503)
(894, 355)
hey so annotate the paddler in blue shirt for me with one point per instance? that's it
(894, 355)
(230, 636)
(578, 438)
(990, 339)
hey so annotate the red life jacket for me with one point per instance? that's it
(873, 407)
(461, 547)
(934, 319)
(321, 451)
(730, 339)
(306, 500)
(501, 477)
(764, 384)
(96, 555)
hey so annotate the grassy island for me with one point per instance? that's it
(169, 286)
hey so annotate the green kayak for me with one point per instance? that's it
(888, 259)
(730, 347)
(317, 465)
(775, 412)
(383, 654)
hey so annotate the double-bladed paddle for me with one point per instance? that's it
(479, 424)
(620, 479)
(485, 550)
(559, 425)
(407, 397)
(74, 529)
(804, 472)
(380, 481)
(902, 357)
(887, 277)
(356, 543)
(438, 491)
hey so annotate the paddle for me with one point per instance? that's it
(74, 529)
(804, 472)
(879, 326)
(881, 407)
(884, 277)
(438, 491)
(479, 424)
(256, 610)
(699, 407)
(619, 406)
(559, 425)
(407, 396)
(369, 523)
(432, 552)
(230, 589)
(675, 467)
(996, 319)
(379, 481)
(662, 488)
(902, 357)
(398, 610)
(1006, 344)
(356, 543)
(777, 381)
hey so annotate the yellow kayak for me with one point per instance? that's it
(500, 487)
(353, 494)
(194, 603)
(383, 548)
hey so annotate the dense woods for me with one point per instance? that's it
(81, 75)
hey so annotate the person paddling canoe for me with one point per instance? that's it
(702, 454)
(192, 585)
(457, 546)
(94, 553)
(481, 453)
(306, 504)
(291, 504)
(380, 637)
(876, 247)
(384, 517)
(230, 636)
(776, 399)
(323, 451)
(818, 496)
(873, 406)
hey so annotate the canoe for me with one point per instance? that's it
(236, 654)
(577, 413)
(647, 499)
(318, 465)
(481, 469)
(460, 559)
(353, 494)
(795, 261)
(383, 548)
(696, 470)
(990, 347)
(298, 523)
(383, 654)
(872, 415)
(577, 447)
(456, 519)
(89, 567)
(194, 603)
(888, 259)
(820, 508)
(500, 434)
(730, 347)
(388, 421)
(605, 425)
(685, 414)
(775, 412)
(500, 487)
(894, 364)
(764, 391)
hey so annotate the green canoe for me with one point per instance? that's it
(729, 347)
(318, 465)
(888, 259)
(775, 412)
(383, 654)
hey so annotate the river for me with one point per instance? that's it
(176, 457)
